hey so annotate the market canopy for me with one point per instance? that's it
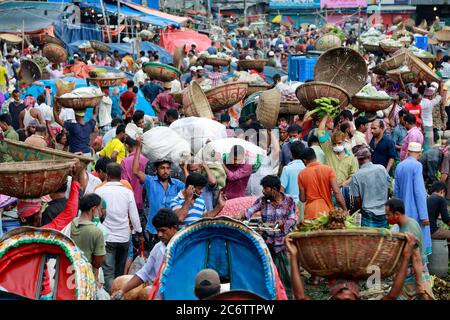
(176, 20)
(171, 39)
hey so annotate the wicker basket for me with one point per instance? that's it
(54, 53)
(86, 49)
(419, 68)
(226, 95)
(427, 60)
(178, 56)
(79, 103)
(394, 62)
(33, 179)
(420, 31)
(407, 77)
(390, 48)
(10, 38)
(257, 88)
(50, 39)
(258, 64)
(21, 151)
(291, 108)
(221, 62)
(308, 92)
(177, 96)
(371, 47)
(99, 46)
(343, 67)
(30, 71)
(371, 104)
(327, 41)
(268, 108)
(349, 254)
(161, 72)
(195, 103)
(443, 36)
(106, 82)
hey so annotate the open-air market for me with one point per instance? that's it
(224, 150)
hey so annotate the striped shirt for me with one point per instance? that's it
(196, 211)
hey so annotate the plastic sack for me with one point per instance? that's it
(197, 131)
(102, 294)
(220, 150)
(163, 143)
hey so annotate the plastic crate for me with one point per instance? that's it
(307, 72)
(421, 42)
(301, 68)
(294, 67)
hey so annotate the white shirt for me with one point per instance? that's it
(45, 110)
(109, 136)
(144, 60)
(104, 112)
(445, 71)
(176, 86)
(93, 182)
(140, 76)
(427, 110)
(120, 209)
(150, 269)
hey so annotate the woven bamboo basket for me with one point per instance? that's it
(349, 254)
(10, 38)
(258, 64)
(79, 103)
(443, 36)
(343, 67)
(161, 72)
(257, 88)
(195, 103)
(226, 95)
(50, 39)
(178, 56)
(308, 92)
(390, 49)
(86, 49)
(21, 151)
(327, 41)
(370, 104)
(106, 82)
(33, 179)
(33, 70)
(221, 62)
(419, 68)
(371, 47)
(420, 31)
(394, 62)
(407, 77)
(268, 108)
(99, 46)
(427, 60)
(291, 108)
(177, 96)
(54, 53)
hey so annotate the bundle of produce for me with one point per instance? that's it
(372, 32)
(338, 32)
(371, 40)
(325, 106)
(421, 53)
(391, 45)
(441, 288)
(86, 92)
(288, 91)
(369, 91)
(244, 76)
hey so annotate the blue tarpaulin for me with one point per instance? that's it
(69, 34)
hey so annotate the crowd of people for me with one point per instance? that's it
(392, 165)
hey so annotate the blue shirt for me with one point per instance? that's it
(196, 211)
(158, 197)
(398, 134)
(212, 50)
(286, 155)
(384, 151)
(115, 109)
(80, 135)
(289, 178)
(151, 91)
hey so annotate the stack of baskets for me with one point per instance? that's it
(269, 108)
(226, 95)
(195, 103)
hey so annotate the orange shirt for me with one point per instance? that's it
(316, 181)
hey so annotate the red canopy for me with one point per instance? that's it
(173, 38)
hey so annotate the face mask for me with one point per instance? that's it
(338, 149)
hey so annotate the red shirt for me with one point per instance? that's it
(410, 107)
(127, 98)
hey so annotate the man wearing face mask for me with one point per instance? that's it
(189, 204)
(293, 132)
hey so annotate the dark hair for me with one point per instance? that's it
(271, 181)
(294, 128)
(225, 117)
(114, 170)
(41, 129)
(142, 53)
(438, 186)
(196, 180)
(41, 99)
(276, 78)
(63, 188)
(421, 89)
(159, 163)
(446, 58)
(409, 118)
(172, 113)
(59, 136)
(308, 155)
(297, 149)
(312, 139)
(380, 123)
(415, 96)
(88, 201)
(15, 91)
(165, 218)
(130, 142)
(102, 163)
(402, 113)
(120, 129)
(402, 95)
(346, 114)
(138, 115)
(344, 127)
(360, 121)
(135, 89)
(396, 205)
(130, 84)
(6, 118)
(156, 56)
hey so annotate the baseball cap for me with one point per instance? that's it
(435, 85)
(414, 147)
(271, 54)
(199, 68)
(193, 68)
(207, 283)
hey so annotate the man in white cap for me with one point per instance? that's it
(271, 62)
(429, 102)
(192, 76)
(410, 187)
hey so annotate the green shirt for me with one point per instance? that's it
(10, 134)
(345, 167)
(88, 237)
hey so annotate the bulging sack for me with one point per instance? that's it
(163, 143)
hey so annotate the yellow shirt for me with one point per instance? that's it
(3, 74)
(114, 145)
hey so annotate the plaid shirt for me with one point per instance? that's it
(284, 212)
(216, 77)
